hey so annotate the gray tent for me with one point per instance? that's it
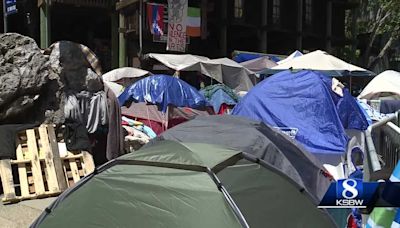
(260, 140)
(173, 184)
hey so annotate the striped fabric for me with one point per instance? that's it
(193, 24)
(91, 58)
(386, 217)
(193, 27)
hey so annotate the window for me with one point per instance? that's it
(276, 11)
(238, 9)
(308, 12)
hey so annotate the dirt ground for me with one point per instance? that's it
(22, 214)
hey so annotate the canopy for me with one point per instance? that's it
(386, 83)
(321, 61)
(116, 88)
(124, 75)
(259, 140)
(259, 64)
(291, 56)
(222, 70)
(173, 184)
(219, 94)
(163, 90)
(304, 106)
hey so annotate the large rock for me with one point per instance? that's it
(33, 84)
(24, 74)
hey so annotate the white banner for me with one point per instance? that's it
(177, 14)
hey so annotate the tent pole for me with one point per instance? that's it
(350, 85)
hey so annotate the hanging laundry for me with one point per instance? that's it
(87, 108)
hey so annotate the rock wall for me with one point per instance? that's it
(33, 83)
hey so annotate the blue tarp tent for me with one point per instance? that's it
(163, 90)
(303, 105)
(242, 57)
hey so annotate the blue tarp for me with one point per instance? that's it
(163, 90)
(242, 57)
(217, 95)
(304, 104)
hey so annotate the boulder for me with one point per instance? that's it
(33, 83)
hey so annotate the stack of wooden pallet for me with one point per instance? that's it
(39, 171)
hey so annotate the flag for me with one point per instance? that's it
(193, 24)
(386, 217)
(155, 17)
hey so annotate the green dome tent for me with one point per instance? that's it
(172, 184)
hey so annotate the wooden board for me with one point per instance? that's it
(36, 167)
(50, 171)
(7, 179)
(23, 177)
(88, 163)
(56, 158)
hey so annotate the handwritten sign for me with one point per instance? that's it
(177, 14)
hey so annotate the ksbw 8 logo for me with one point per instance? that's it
(349, 192)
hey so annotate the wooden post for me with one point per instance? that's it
(114, 40)
(5, 24)
(88, 163)
(264, 24)
(223, 28)
(45, 24)
(328, 25)
(204, 11)
(122, 42)
(299, 38)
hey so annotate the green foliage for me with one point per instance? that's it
(372, 19)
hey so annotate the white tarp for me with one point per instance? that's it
(318, 60)
(116, 88)
(125, 76)
(223, 70)
(386, 83)
(124, 72)
(295, 54)
(259, 64)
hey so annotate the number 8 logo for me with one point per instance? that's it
(349, 188)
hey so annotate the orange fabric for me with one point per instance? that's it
(193, 31)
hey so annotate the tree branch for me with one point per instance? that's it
(382, 53)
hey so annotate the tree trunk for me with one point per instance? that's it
(382, 53)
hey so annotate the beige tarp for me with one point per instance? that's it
(222, 70)
(386, 83)
(259, 64)
(318, 60)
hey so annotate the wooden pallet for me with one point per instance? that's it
(40, 170)
(77, 165)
